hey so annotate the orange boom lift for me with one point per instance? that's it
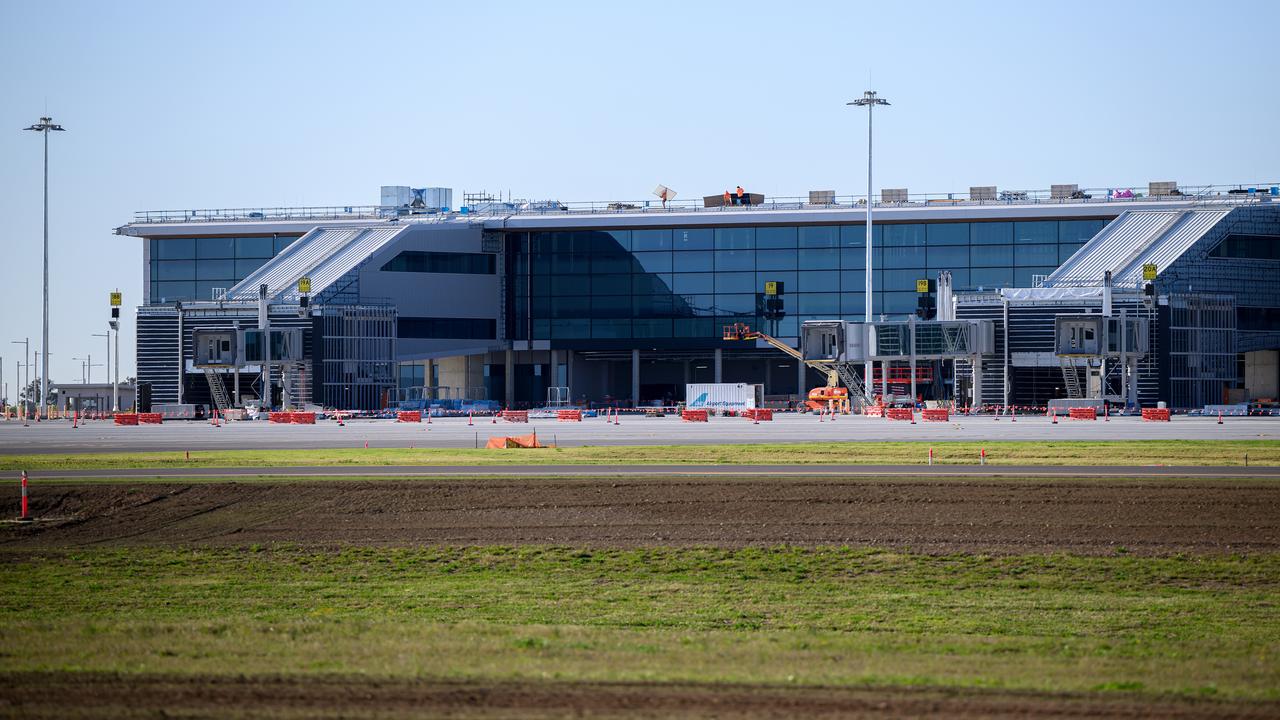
(828, 398)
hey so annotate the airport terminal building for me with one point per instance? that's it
(625, 303)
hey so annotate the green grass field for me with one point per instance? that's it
(1202, 626)
(1127, 452)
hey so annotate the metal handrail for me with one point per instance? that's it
(1192, 194)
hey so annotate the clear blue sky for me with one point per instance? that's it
(173, 105)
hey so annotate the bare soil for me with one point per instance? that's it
(71, 695)
(932, 516)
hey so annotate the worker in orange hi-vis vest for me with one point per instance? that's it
(727, 200)
(741, 199)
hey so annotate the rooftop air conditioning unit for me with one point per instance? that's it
(1062, 192)
(893, 195)
(982, 192)
(822, 197)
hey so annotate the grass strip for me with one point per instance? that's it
(1120, 452)
(1203, 626)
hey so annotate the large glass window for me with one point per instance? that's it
(991, 233)
(1044, 231)
(903, 280)
(948, 257)
(827, 258)
(216, 270)
(611, 262)
(442, 262)
(653, 262)
(904, 256)
(693, 261)
(991, 256)
(611, 284)
(818, 304)
(823, 236)
(1078, 231)
(900, 303)
(776, 259)
(689, 239)
(990, 278)
(819, 281)
(735, 238)
(775, 237)
(566, 263)
(176, 249)
(739, 304)
(650, 240)
(175, 270)
(1024, 255)
(736, 282)
(216, 247)
(947, 234)
(735, 260)
(906, 235)
(691, 283)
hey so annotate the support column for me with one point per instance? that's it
(509, 379)
(719, 363)
(635, 378)
(884, 382)
(768, 376)
(554, 362)
(800, 391)
(976, 400)
(912, 328)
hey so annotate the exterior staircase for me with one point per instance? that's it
(217, 390)
(1071, 380)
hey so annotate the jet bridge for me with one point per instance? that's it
(886, 342)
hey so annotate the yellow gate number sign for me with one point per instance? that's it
(1149, 271)
(304, 284)
(116, 299)
(922, 286)
(771, 288)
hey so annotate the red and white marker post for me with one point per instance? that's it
(26, 510)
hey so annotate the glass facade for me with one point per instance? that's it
(184, 269)
(688, 282)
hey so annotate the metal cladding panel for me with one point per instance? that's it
(1169, 247)
(1114, 244)
(325, 254)
(342, 260)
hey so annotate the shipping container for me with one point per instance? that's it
(723, 396)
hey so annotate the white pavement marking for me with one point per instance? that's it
(102, 436)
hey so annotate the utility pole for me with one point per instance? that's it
(106, 335)
(870, 101)
(45, 126)
(26, 363)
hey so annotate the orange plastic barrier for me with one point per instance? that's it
(758, 414)
(569, 415)
(935, 415)
(1083, 413)
(126, 418)
(873, 411)
(302, 418)
(515, 441)
(1155, 414)
(693, 415)
(409, 416)
(150, 418)
(900, 413)
(515, 415)
(280, 417)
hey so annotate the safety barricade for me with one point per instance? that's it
(873, 411)
(1083, 413)
(302, 418)
(150, 418)
(757, 414)
(409, 416)
(280, 417)
(569, 415)
(693, 415)
(516, 415)
(935, 415)
(1155, 414)
(126, 418)
(900, 413)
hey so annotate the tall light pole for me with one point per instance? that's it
(870, 101)
(45, 126)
